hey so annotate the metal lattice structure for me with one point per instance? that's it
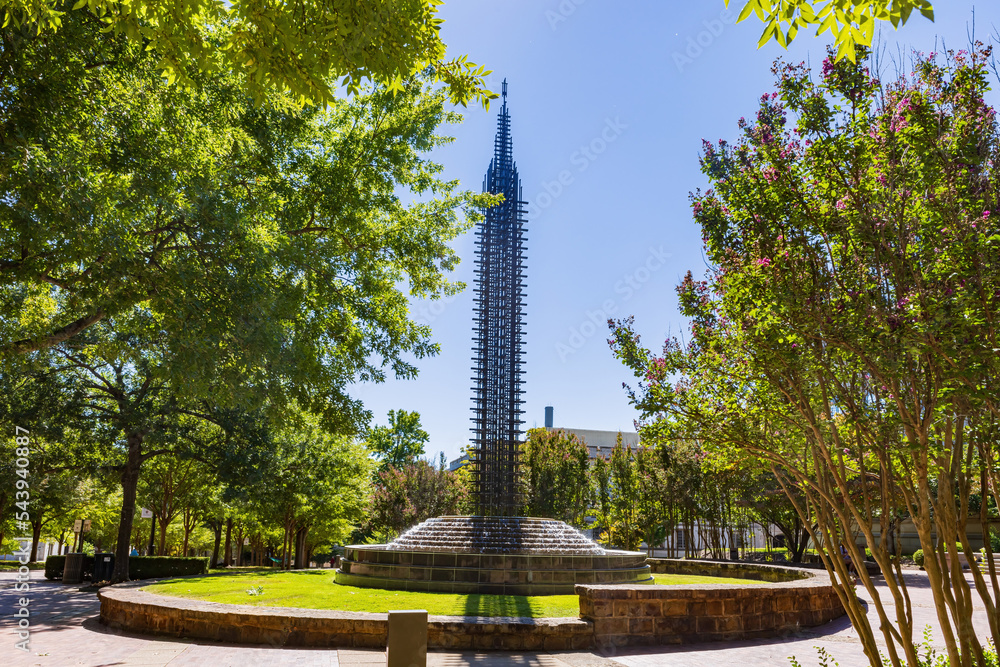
(499, 333)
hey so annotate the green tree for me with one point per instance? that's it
(624, 520)
(852, 23)
(301, 47)
(168, 488)
(600, 475)
(403, 497)
(35, 398)
(254, 255)
(317, 481)
(845, 334)
(102, 209)
(555, 466)
(400, 443)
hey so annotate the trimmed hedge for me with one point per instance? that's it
(152, 567)
(15, 564)
(918, 557)
(54, 567)
(139, 567)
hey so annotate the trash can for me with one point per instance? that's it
(73, 569)
(104, 567)
(734, 554)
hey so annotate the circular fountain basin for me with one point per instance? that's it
(505, 555)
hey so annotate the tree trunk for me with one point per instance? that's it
(130, 481)
(238, 558)
(229, 549)
(36, 534)
(217, 529)
(163, 538)
(300, 548)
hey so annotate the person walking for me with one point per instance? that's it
(849, 562)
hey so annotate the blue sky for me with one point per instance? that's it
(609, 104)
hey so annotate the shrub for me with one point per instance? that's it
(918, 557)
(139, 567)
(152, 567)
(54, 567)
(15, 564)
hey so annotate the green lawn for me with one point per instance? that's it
(316, 589)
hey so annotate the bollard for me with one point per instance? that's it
(407, 638)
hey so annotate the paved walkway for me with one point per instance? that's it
(65, 632)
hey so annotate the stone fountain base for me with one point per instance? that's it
(509, 555)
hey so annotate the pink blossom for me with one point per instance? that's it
(841, 204)
(764, 262)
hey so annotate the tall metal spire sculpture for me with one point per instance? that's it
(498, 336)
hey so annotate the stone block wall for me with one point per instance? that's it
(634, 616)
(611, 615)
(127, 607)
(726, 568)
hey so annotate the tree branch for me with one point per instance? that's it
(56, 337)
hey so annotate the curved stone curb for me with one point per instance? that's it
(785, 600)
(128, 607)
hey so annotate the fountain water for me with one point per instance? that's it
(475, 554)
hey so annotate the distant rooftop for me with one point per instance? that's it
(600, 443)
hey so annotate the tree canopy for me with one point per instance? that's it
(185, 256)
(845, 331)
(852, 23)
(400, 443)
(104, 210)
(555, 469)
(306, 48)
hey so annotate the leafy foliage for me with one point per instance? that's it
(415, 492)
(844, 333)
(852, 23)
(400, 443)
(555, 467)
(103, 210)
(302, 47)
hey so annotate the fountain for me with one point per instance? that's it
(495, 551)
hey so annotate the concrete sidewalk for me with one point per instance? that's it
(65, 632)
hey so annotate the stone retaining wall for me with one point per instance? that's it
(786, 600)
(129, 608)
(727, 568)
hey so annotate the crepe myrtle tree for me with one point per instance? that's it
(317, 484)
(403, 497)
(845, 332)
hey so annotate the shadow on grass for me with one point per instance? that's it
(487, 606)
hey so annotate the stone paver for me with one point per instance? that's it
(66, 633)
